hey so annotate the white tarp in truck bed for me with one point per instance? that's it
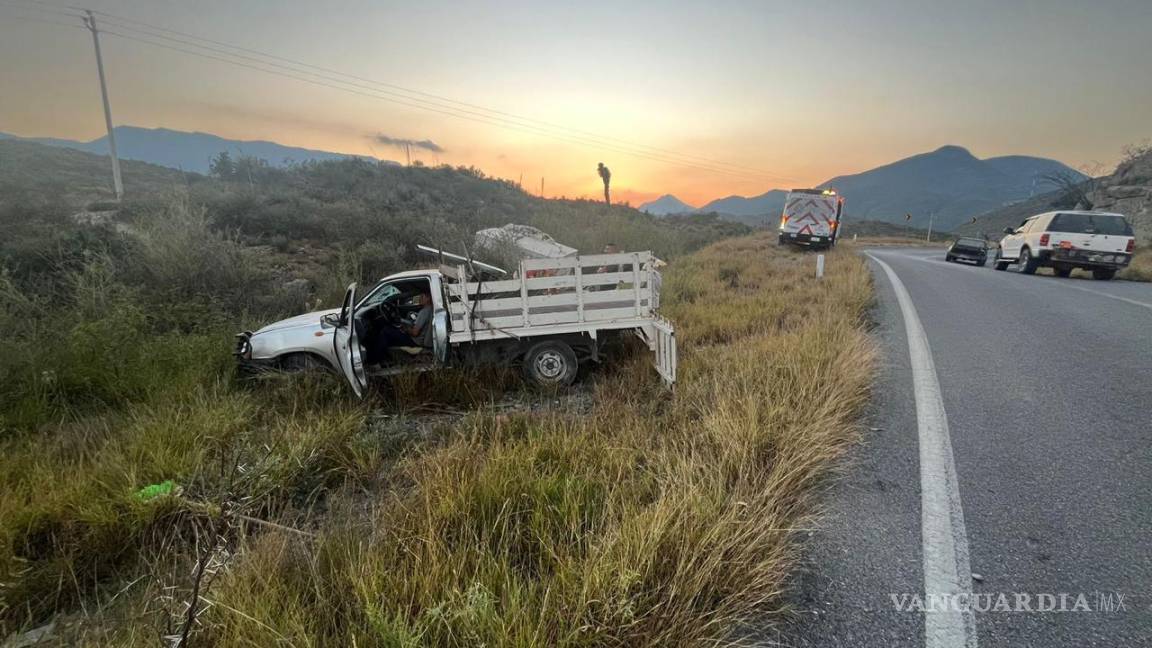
(526, 241)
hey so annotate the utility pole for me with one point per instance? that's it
(541, 186)
(90, 23)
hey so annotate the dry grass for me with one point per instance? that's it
(1141, 267)
(652, 520)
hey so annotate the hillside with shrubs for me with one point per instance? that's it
(305, 226)
(116, 363)
(148, 496)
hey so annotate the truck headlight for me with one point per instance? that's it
(244, 346)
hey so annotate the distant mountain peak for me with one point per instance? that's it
(952, 149)
(947, 186)
(770, 202)
(666, 205)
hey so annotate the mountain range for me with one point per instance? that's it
(948, 186)
(186, 151)
(1127, 190)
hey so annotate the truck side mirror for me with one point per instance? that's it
(1009, 230)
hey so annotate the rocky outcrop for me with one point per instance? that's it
(1128, 191)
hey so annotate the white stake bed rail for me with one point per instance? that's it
(572, 295)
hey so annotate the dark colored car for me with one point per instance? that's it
(968, 249)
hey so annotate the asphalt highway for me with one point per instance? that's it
(1028, 498)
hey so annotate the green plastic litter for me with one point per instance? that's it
(153, 491)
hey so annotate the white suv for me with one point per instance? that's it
(1066, 240)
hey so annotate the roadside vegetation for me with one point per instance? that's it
(306, 221)
(293, 516)
(1140, 269)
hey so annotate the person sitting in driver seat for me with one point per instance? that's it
(421, 329)
(402, 335)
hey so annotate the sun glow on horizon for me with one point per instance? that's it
(733, 84)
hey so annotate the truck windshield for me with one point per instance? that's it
(1091, 224)
(380, 295)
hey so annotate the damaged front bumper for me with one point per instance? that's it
(245, 364)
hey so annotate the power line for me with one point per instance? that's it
(442, 110)
(480, 117)
(441, 105)
(445, 112)
(42, 21)
(489, 119)
(29, 5)
(419, 103)
(114, 18)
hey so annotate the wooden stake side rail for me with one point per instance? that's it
(576, 295)
(589, 289)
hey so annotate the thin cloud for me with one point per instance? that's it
(400, 142)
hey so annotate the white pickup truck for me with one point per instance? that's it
(549, 319)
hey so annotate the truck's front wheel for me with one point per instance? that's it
(550, 363)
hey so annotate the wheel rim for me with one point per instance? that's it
(550, 365)
(1025, 259)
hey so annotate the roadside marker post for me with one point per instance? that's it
(819, 266)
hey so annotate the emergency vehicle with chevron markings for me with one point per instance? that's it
(811, 217)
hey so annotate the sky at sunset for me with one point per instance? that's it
(782, 93)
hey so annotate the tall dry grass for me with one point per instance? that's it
(1141, 267)
(653, 520)
(114, 375)
(650, 520)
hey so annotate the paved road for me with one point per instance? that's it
(1047, 388)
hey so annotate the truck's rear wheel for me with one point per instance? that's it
(550, 363)
(1062, 271)
(1103, 275)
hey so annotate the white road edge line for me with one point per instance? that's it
(947, 574)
